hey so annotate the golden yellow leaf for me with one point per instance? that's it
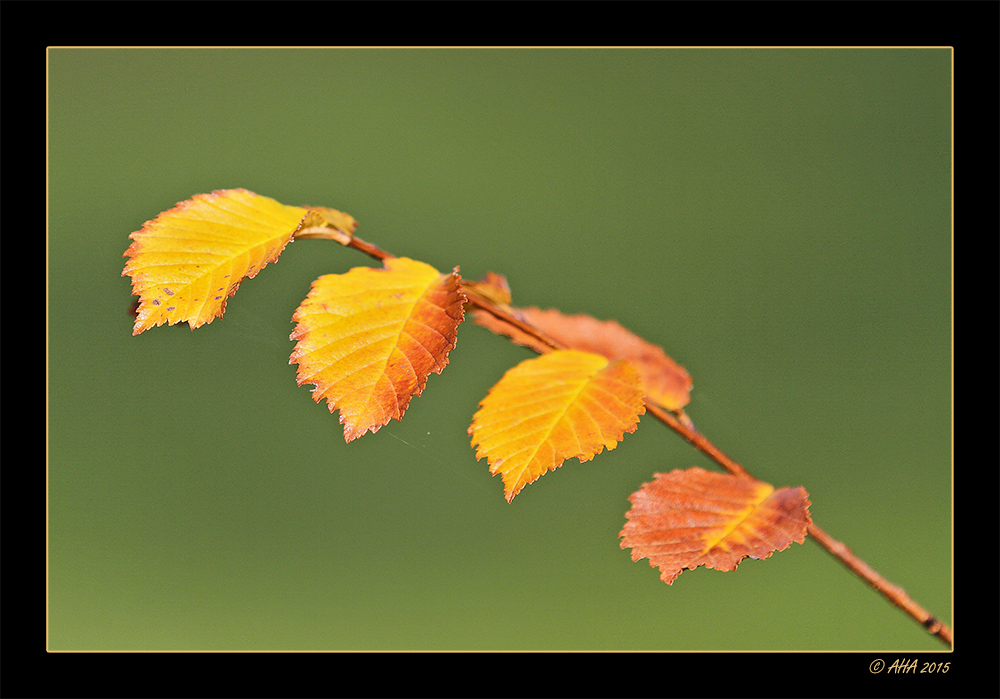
(187, 261)
(545, 410)
(368, 339)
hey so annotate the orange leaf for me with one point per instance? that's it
(684, 519)
(187, 261)
(548, 409)
(368, 339)
(665, 381)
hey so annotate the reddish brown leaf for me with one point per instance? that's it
(684, 519)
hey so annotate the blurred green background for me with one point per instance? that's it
(778, 220)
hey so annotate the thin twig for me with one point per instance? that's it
(696, 438)
(893, 593)
(346, 239)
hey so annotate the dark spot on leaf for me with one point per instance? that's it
(167, 291)
(156, 302)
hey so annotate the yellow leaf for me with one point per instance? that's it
(551, 408)
(187, 261)
(368, 339)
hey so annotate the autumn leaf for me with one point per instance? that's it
(187, 261)
(684, 519)
(492, 287)
(324, 222)
(665, 381)
(545, 410)
(368, 339)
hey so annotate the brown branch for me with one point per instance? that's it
(895, 594)
(696, 438)
(484, 304)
